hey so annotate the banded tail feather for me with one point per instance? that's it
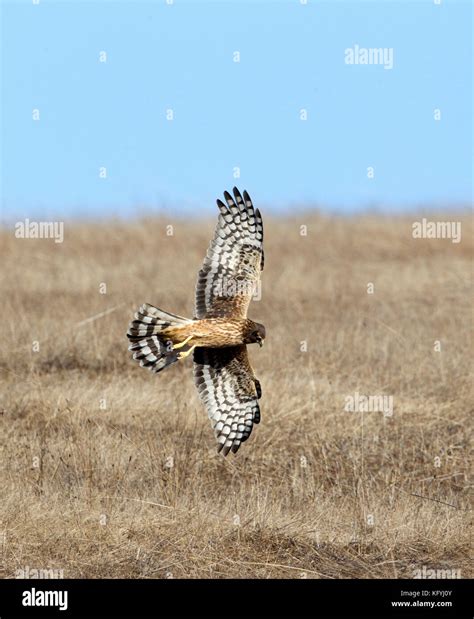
(150, 344)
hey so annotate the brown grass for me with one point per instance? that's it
(91, 490)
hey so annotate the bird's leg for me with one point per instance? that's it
(181, 344)
(183, 355)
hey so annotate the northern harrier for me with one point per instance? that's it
(220, 329)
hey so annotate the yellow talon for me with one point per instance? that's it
(183, 355)
(181, 344)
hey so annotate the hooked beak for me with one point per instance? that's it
(260, 343)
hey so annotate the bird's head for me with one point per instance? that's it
(255, 334)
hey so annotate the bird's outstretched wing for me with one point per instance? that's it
(230, 392)
(231, 269)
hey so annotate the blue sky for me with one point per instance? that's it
(228, 114)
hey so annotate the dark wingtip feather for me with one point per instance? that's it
(260, 225)
(225, 450)
(229, 198)
(222, 207)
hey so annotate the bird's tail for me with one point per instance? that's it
(153, 335)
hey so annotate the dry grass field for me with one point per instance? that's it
(111, 471)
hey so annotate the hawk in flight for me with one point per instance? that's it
(220, 330)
